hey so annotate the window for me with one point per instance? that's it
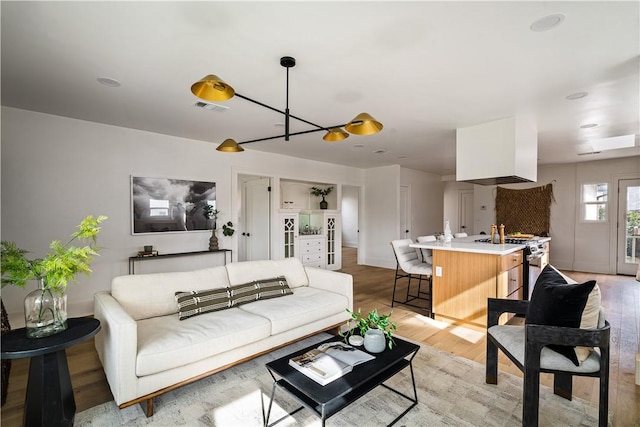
(594, 202)
(158, 207)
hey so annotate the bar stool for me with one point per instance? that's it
(410, 266)
(426, 253)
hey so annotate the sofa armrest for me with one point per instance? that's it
(497, 306)
(117, 346)
(332, 281)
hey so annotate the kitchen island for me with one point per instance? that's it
(466, 273)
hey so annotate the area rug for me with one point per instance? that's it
(451, 392)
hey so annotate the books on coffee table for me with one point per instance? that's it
(329, 361)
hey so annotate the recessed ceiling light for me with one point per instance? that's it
(577, 95)
(548, 22)
(358, 145)
(278, 125)
(380, 151)
(107, 81)
(588, 125)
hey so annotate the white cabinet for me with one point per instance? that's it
(319, 245)
(333, 232)
(289, 234)
(313, 251)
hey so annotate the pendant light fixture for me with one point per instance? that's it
(213, 88)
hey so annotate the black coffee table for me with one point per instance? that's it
(328, 400)
(49, 400)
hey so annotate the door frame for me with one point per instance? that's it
(469, 230)
(236, 204)
(613, 224)
(621, 235)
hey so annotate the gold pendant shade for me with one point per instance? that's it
(363, 124)
(230, 146)
(213, 88)
(335, 135)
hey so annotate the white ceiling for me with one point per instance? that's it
(423, 69)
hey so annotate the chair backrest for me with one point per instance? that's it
(458, 235)
(405, 255)
(426, 253)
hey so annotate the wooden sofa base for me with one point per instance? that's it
(146, 402)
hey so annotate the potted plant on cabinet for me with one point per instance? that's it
(375, 328)
(46, 307)
(316, 191)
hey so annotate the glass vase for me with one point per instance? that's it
(45, 312)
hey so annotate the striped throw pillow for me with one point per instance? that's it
(193, 303)
(259, 289)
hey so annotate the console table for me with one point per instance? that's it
(134, 259)
(49, 400)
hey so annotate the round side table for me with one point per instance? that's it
(49, 400)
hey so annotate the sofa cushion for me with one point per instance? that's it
(306, 305)
(249, 271)
(555, 302)
(150, 295)
(193, 303)
(166, 342)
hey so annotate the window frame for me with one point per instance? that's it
(584, 204)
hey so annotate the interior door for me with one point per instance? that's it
(405, 212)
(628, 226)
(465, 212)
(255, 238)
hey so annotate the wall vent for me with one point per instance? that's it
(211, 107)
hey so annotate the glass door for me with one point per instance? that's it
(628, 226)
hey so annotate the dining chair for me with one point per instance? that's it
(545, 344)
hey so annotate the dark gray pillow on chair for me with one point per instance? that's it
(554, 302)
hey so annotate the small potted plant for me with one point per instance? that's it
(316, 191)
(227, 229)
(374, 327)
(46, 307)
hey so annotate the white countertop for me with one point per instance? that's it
(468, 244)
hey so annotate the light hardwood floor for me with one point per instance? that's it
(372, 289)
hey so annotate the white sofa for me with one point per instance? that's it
(146, 350)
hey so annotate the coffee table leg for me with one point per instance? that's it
(273, 392)
(49, 400)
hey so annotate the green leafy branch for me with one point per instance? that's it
(373, 320)
(316, 191)
(57, 268)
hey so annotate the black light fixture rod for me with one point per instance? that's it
(292, 134)
(279, 111)
(286, 111)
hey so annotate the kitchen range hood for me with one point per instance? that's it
(504, 151)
